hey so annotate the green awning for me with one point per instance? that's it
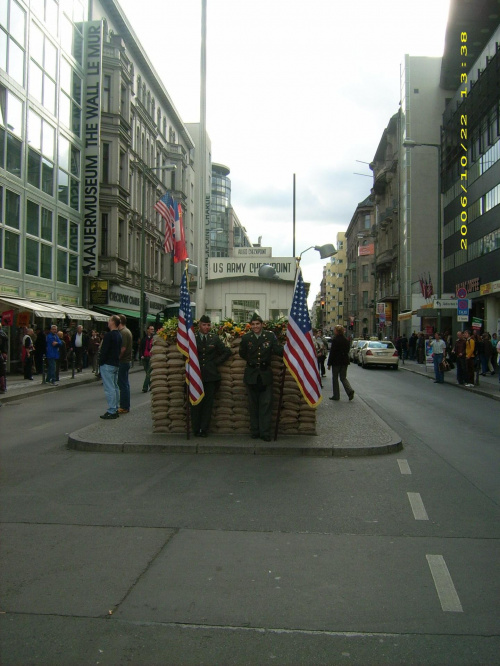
(118, 311)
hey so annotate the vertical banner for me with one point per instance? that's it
(207, 233)
(93, 38)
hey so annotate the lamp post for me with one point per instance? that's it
(409, 143)
(145, 170)
(269, 272)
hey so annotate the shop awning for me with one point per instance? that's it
(133, 314)
(76, 312)
(46, 310)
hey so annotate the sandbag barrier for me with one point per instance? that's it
(230, 415)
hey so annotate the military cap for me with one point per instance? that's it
(205, 319)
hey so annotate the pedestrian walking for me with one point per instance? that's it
(412, 346)
(257, 348)
(109, 359)
(145, 354)
(27, 354)
(40, 347)
(470, 354)
(124, 367)
(438, 346)
(338, 361)
(211, 353)
(421, 349)
(459, 352)
(320, 347)
(53, 345)
(79, 344)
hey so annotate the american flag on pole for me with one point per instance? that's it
(186, 344)
(165, 206)
(299, 354)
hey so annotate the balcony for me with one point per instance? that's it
(386, 258)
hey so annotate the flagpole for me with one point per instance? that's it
(186, 386)
(283, 370)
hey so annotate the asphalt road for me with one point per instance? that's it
(182, 559)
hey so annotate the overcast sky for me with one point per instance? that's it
(293, 86)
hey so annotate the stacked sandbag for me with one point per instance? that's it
(230, 414)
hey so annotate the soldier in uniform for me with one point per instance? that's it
(257, 348)
(211, 353)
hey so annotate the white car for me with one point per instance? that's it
(353, 351)
(379, 352)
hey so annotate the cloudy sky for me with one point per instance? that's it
(293, 86)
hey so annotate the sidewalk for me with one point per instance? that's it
(486, 386)
(18, 387)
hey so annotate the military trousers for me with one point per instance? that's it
(201, 414)
(260, 404)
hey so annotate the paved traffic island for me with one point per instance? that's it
(343, 429)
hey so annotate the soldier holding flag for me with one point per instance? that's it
(211, 353)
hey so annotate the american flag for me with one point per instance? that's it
(186, 344)
(165, 206)
(299, 354)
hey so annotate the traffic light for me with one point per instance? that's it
(322, 303)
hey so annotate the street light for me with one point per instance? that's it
(269, 272)
(409, 143)
(325, 251)
(145, 170)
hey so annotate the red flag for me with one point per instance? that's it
(165, 206)
(299, 354)
(186, 344)
(180, 252)
(430, 290)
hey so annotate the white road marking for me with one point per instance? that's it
(404, 468)
(444, 585)
(417, 506)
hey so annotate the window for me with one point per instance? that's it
(11, 131)
(243, 310)
(106, 93)
(38, 250)
(68, 176)
(104, 234)
(364, 269)
(67, 251)
(105, 162)
(9, 229)
(70, 97)
(40, 168)
(43, 69)
(13, 40)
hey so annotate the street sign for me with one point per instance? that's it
(440, 303)
(462, 318)
(462, 292)
(463, 305)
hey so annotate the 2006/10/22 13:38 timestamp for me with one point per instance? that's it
(463, 145)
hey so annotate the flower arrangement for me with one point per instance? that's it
(227, 329)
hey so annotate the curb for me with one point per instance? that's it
(476, 390)
(287, 445)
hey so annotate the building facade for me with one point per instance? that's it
(359, 275)
(385, 167)
(471, 177)
(334, 286)
(89, 136)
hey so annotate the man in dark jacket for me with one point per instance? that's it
(211, 353)
(40, 346)
(257, 348)
(109, 359)
(338, 360)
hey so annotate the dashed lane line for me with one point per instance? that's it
(417, 506)
(447, 593)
